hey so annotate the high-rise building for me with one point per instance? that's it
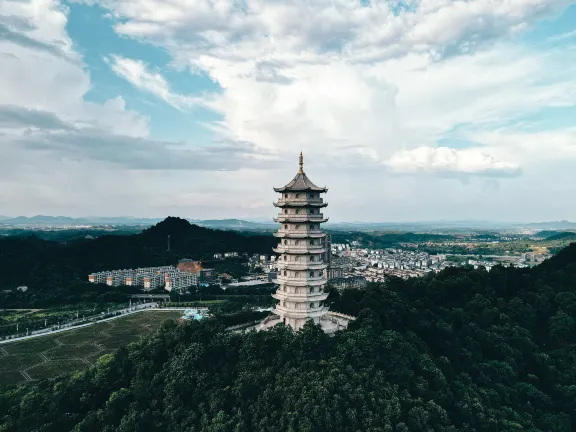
(301, 265)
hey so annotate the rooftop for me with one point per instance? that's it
(301, 182)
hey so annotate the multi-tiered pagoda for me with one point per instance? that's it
(301, 265)
(302, 259)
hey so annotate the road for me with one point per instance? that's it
(71, 326)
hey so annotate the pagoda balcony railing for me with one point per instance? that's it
(305, 249)
(296, 234)
(300, 298)
(300, 218)
(300, 266)
(301, 313)
(300, 281)
(300, 202)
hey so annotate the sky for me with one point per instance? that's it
(406, 110)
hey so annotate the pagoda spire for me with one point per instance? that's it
(301, 171)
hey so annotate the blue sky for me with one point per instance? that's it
(90, 27)
(427, 109)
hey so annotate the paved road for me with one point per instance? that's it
(70, 326)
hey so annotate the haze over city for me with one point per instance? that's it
(423, 110)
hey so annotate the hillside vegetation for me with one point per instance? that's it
(55, 272)
(464, 350)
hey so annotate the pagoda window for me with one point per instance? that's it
(285, 195)
(297, 211)
(285, 211)
(285, 226)
(311, 273)
(297, 242)
(285, 273)
(285, 242)
(297, 196)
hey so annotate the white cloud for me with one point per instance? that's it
(40, 71)
(139, 75)
(63, 154)
(360, 89)
(328, 75)
(445, 160)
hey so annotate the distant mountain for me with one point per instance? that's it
(556, 225)
(562, 236)
(42, 220)
(70, 221)
(266, 225)
(233, 224)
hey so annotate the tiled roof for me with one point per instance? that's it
(300, 183)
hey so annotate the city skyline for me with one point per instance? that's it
(425, 111)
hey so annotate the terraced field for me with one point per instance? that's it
(74, 350)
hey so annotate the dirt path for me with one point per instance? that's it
(25, 375)
(22, 310)
(85, 360)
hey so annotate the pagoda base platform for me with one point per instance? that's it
(330, 323)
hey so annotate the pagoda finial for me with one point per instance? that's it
(301, 163)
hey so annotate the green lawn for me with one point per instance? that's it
(74, 350)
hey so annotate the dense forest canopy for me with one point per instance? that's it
(463, 350)
(55, 270)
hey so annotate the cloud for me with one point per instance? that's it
(138, 74)
(444, 160)
(327, 74)
(133, 153)
(64, 154)
(365, 92)
(37, 81)
(375, 30)
(12, 116)
(37, 24)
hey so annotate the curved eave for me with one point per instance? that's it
(308, 189)
(299, 283)
(282, 219)
(300, 205)
(299, 236)
(282, 265)
(290, 251)
(300, 298)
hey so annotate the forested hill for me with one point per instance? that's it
(46, 265)
(463, 350)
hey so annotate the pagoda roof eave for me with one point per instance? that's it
(301, 183)
(287, 189)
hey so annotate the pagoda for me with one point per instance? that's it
(301, 263)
